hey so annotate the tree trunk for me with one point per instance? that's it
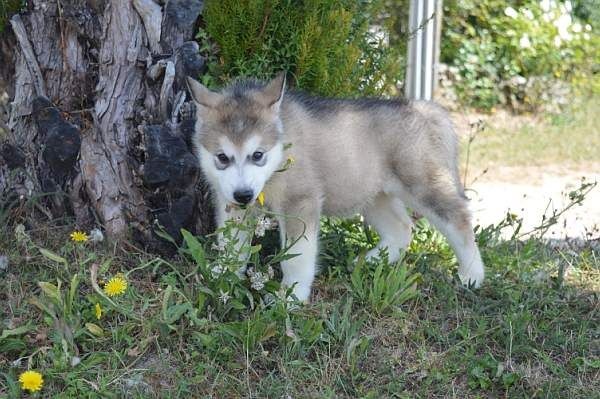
(99, 125)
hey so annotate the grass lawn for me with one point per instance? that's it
(572, 138)
(186, 326)
(530, 331)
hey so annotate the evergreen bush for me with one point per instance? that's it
(329, 47)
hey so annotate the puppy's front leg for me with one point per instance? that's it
(301, 230)
(224, 213)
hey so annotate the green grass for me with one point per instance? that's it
(530, 331)
(571, 138)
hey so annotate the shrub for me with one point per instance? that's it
(497, 47)
(328, 46)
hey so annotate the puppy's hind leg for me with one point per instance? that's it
(389, 217)
(447, 210)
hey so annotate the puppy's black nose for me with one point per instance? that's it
(243, 196)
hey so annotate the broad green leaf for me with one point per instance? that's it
(53, 256)
(15, 331)
(95, 329)
(72, 292)
(255, 248)
(175, 312)
(50, 290)
(195, 247)
(164, 235)
(165, 302)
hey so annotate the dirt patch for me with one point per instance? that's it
(532, 191)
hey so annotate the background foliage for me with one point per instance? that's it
(7, 8)
(326, 45)
(527, 55)
(517, 52)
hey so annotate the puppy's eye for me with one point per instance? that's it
(257, 156)
(223, 158)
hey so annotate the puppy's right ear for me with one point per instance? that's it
(201, 95)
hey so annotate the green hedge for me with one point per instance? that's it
(325, 45)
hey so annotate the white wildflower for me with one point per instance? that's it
(568, 5)
(557, 41)
(218, 246)
(257, 280)
(562, 9)
(96, 235)
(511, 12)
(545, 5)
(224, 296)
(588, 27)
(576, 27)
(524, 42)
(586, 36)
(260, 229)
(547, 17)
(269, 299)
(562, 24)
(264, 223)
(270, 272)
(518, 80)
(217, 270)
(528, 14)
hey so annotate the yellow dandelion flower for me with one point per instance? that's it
(79, 236)
(115, 286)
(98, 310)
(31, 381)
(261, 198)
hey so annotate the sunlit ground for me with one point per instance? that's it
(528, 166)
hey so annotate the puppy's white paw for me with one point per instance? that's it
(372, 254)
(473, 277)
(392, 251)
(301, 292)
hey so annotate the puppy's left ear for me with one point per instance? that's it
(272, 94)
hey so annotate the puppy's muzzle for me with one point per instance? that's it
(243, 197)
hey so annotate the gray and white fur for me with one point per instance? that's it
(374, 157)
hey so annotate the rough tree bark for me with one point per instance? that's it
(99, 120)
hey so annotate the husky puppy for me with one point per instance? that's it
(368, 156)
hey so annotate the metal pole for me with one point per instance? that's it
(422, 49)
(437, 19)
